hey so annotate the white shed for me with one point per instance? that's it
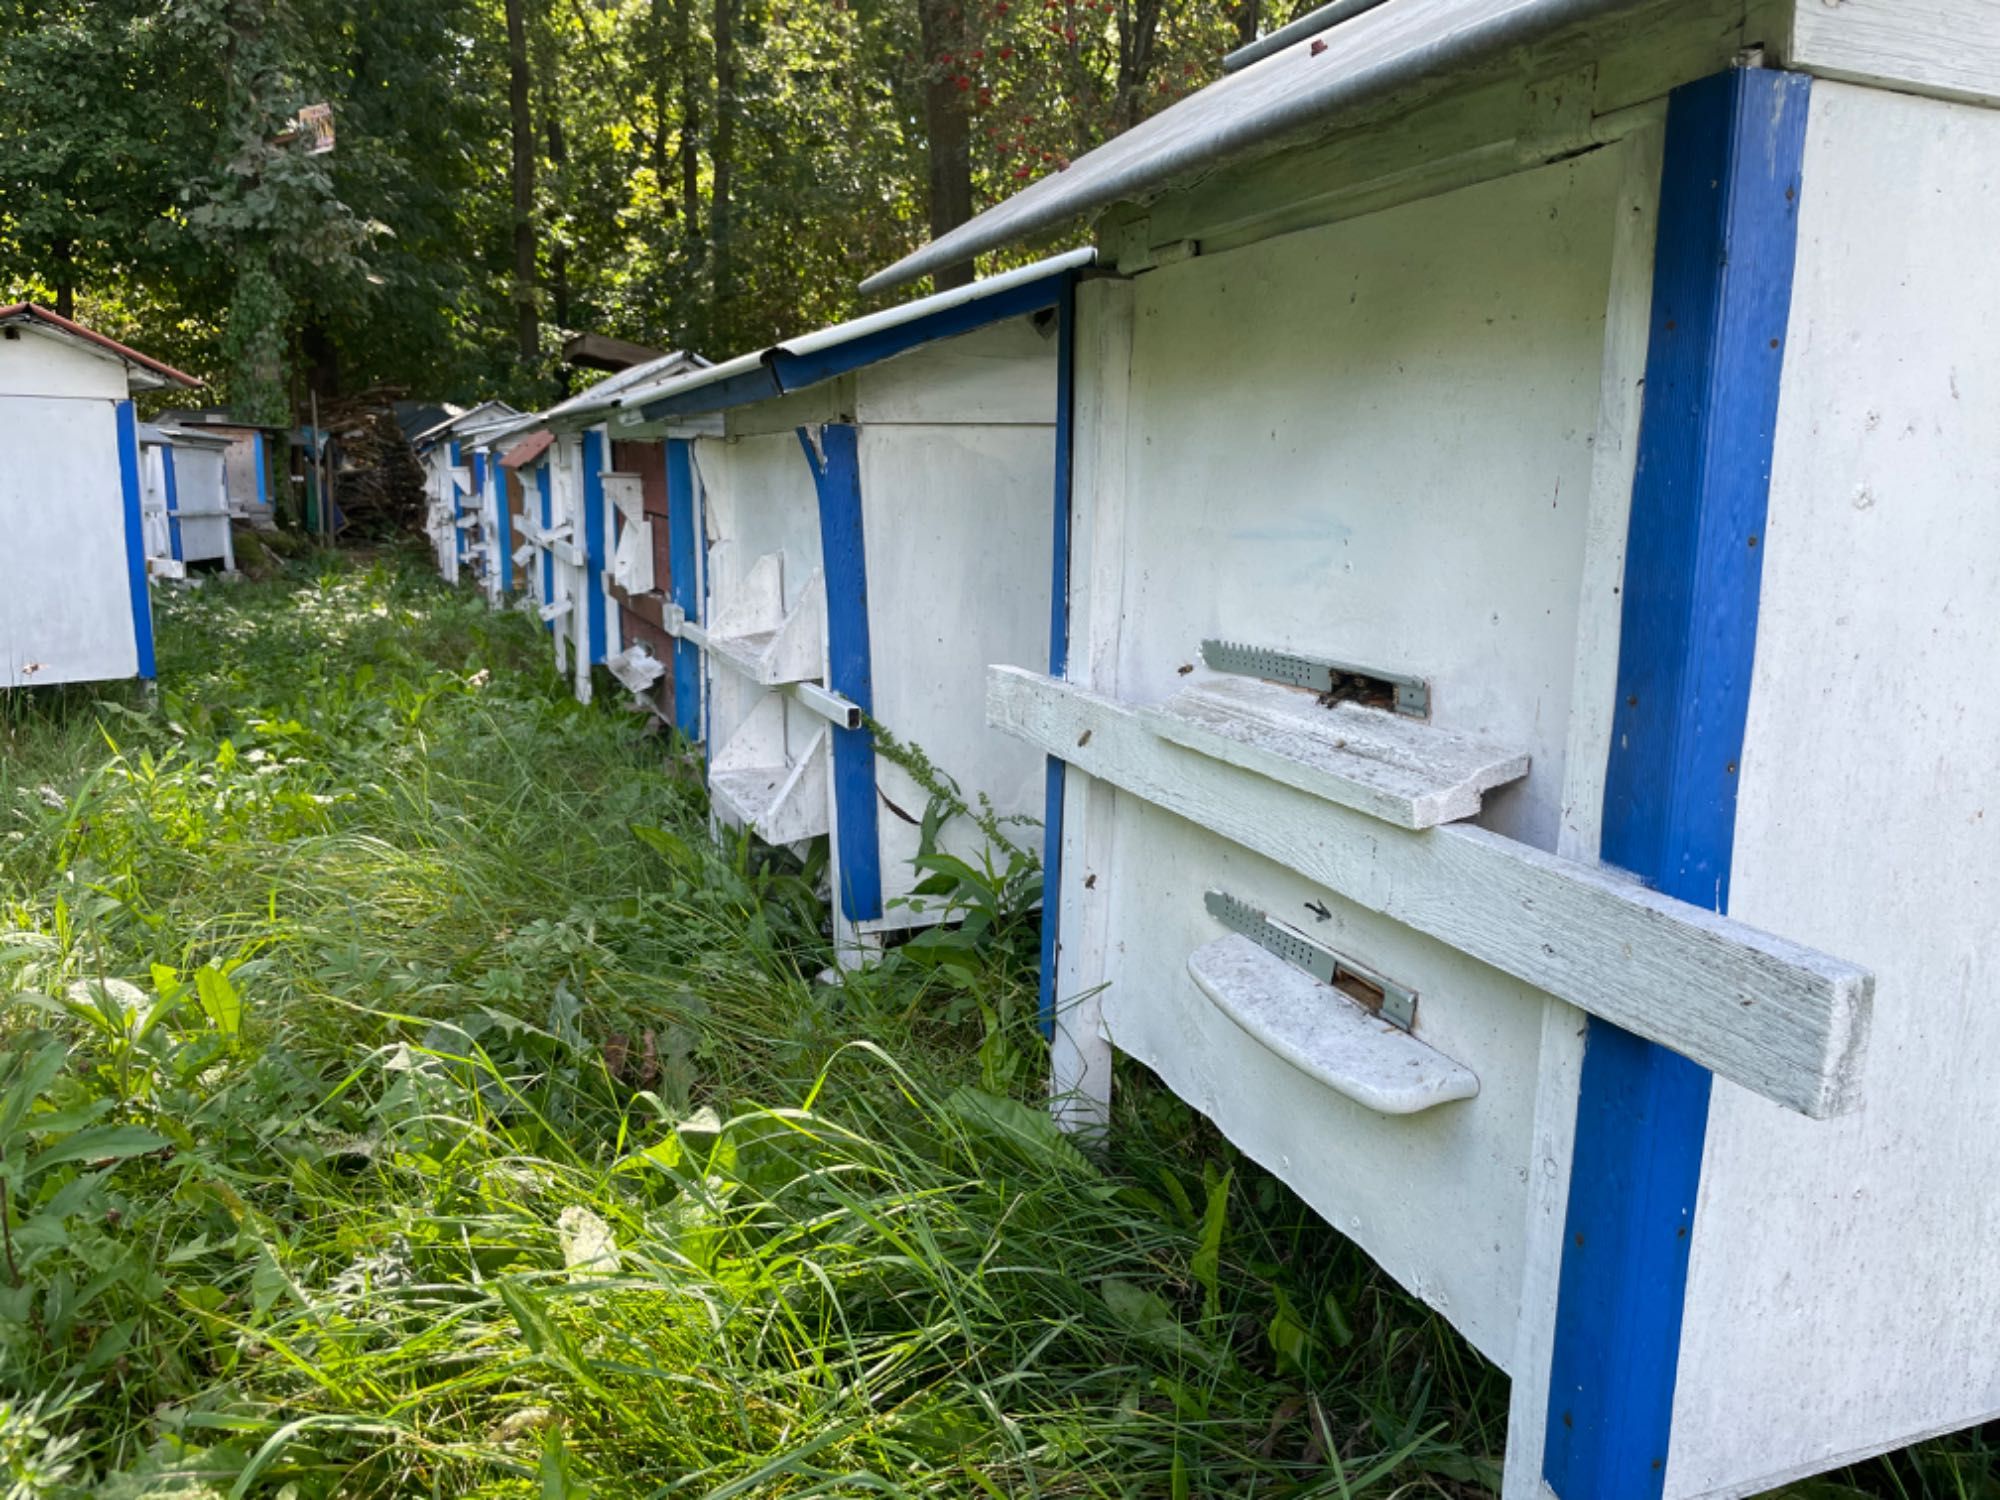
(184, 496)
(1535, 493)
(74, 605)
(873, 504)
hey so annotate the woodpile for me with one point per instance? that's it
(378, 485)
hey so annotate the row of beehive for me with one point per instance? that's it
(1423, 576)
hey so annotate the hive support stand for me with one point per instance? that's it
(832, 452)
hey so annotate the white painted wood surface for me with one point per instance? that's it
(153, 506)
(958, 525)
(760, 636)
(1844, 1292)
(761, 566)
(1438, 1198)
(65, 584)
(1782, 1019)
(782, 804)
(1398, 769)
(38, 364)
(1328, 1037)
(1437, 528)
(1002, 374)
(573, 583)
(201, 489)
(1080, 1054)
(1218, 497)
(1950, 48)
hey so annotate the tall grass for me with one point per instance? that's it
(402, 1094)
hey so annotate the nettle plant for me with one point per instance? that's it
(979, 904)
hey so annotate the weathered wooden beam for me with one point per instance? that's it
(1782, 1020)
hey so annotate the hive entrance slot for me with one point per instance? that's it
(1368, 996)
(1382, 998)
(1335, 682)
(1359, 688)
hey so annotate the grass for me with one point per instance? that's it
(400, 1094)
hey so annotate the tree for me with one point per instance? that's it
(947, 123)
(527, 332)
(710, 174)
(101, 128)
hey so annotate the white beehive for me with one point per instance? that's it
(74, 605)
(586, 519)
(184, 490)
(874, 505)
(1534, 494)
(455, 460)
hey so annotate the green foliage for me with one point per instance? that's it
(148, 168)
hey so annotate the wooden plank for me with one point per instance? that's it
(1400, 770)
(1080, 1055)
(1005, 373)
(782, 804)
(1614, 458)
(1323, 1033)
(1949, 48)
(1780, 1019)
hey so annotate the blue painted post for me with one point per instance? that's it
(135, 540)
(457, 531)
(173, 502)
(681, 576)
(263, 479)
(479, 499)
(1052, 812)
(496, 476)
(836, 468)
(596, 557)
(1722, 287)
(548, 520)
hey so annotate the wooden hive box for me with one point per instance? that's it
(595, 557)
(865, 513)
(1533, 569)
(74, 600)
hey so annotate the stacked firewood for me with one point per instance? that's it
(378, 485)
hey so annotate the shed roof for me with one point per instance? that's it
(165, 434)
(587, 406)
(527, 450)
(221, 418)
(1290, 93)
(813, 357)
(467, 422)
(142, 371)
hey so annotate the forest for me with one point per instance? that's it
(695, 174)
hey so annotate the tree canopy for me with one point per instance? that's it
(699, 174)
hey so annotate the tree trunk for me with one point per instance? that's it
(663, 91)
(1248, 20)
(527, 333)
(1138, 29)
(64, 271)
(322, 359)
(552, 124)
(722, 155)
(947, 126)
(692, 80)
